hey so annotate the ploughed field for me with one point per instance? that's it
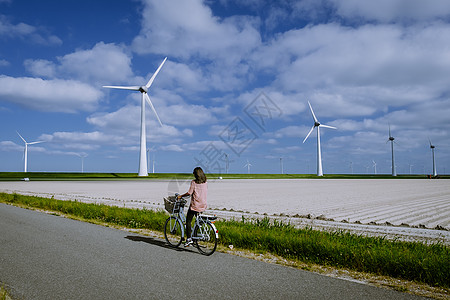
(409, 207)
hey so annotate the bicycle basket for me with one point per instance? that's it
(169, 203)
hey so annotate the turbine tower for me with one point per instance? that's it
(319, 151)
(434, 161)
(391, 139)
(248, 165)
(374, 167)
(144, 91)
(82, 156)
(25, 155)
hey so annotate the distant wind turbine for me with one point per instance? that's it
(26, 150)
(434, 161)
(374, 167)
(144, 91)
(319, 151)
(227, 161)
(248, 165)
(391, 139)
(82, 156)
(153, 164)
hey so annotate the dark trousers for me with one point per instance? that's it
(190, 215)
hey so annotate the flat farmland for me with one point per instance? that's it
(382, 206)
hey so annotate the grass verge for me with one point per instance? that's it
(414, 261)
(4, 293)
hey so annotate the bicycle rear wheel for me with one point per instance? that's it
(173, 231)
(205, 238)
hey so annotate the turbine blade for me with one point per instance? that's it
(312, 112)
(312, 128)
(327, 126)
(149, 83)
(130, 88)
(153, 108)
(32, 143)
(21, 137)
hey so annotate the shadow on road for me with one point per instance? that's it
(157, 242)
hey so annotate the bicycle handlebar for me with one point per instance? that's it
(184, 198)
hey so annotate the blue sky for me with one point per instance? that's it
(236, 83)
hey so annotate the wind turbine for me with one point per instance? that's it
(82, 156)
(26, 150)
(144, 91)
(153, 163)
(248, 165)
(319, 151)
(227, 161)
(374, 167)
(391, 139)
(434, 161)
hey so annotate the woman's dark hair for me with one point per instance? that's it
(200, 177)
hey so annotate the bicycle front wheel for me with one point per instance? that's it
(205, 238)
(173, 231)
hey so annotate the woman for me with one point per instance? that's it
(198, 192)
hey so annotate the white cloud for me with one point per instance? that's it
(49, 95)
(10, 146)
(104, 63)
(27, 32)
(360, 71)
(289, 149)
(292, 131)
(174, 148)
(126, 122)
(79, 137)
(40, 67)
(184, 78)
(187, 30)
(393, 10)
(4, 63)
(187, 115)
(346, 125)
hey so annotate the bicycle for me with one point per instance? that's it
(204, 232)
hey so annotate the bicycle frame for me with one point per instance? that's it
(178, 212)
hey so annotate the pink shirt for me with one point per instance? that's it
(198, 194)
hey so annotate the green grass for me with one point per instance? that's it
(49, 176)
(4, 295)
(407, 260)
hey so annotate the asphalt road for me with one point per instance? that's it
(49, 257)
